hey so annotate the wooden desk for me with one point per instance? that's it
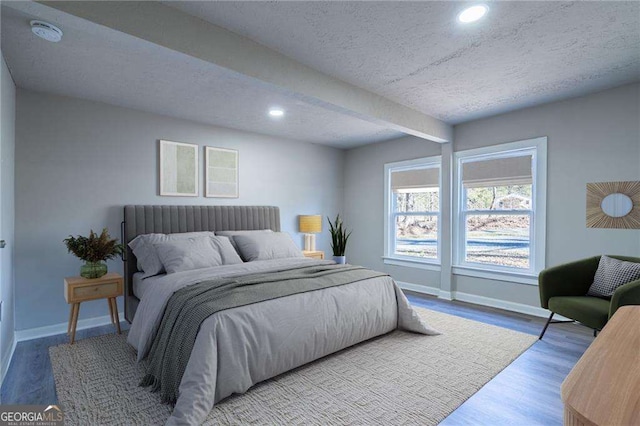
(78, 290)
(604, 386)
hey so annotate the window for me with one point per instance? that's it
(412, 201)
(501, 205)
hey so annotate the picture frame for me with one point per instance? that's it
(221, 172)
(178, 169)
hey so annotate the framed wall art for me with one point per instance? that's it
(178, 169)
(221, 177)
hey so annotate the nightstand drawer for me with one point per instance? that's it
(96, 291)
(86, 290)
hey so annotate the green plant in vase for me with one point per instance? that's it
(339, 238)
(94, 250)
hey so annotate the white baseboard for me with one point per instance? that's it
(504, 304)
(480, 300)
(61, 328)
(6, 361)
(432, 291)
(447, 295)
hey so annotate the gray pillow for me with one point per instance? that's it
(266, 246)
(231, 234)
(148, 261)
(611, 274)
(227, 252)
(188, 254)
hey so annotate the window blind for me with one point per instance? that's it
(498, 172)
(415, 179)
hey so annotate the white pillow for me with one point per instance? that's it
(148, 261)
(187, 254)
(266, 246)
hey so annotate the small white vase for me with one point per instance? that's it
(340, 260)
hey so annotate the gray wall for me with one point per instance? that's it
(594, 138)
(590, 139)
(79, 162)
(364, 204)
(7, 146)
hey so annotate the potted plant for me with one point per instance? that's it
(339, 238)
(94, 250)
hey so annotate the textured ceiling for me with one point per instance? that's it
(97, 63)
(415, 53)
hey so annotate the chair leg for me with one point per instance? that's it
(545, 326)
(595, 333)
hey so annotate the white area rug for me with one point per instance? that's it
(399, 378)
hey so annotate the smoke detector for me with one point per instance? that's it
(46, 31)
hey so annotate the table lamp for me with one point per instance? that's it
(310, 225)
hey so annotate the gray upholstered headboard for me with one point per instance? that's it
(173, 219)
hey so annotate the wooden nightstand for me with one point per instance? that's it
(78, 290)
(313, 254)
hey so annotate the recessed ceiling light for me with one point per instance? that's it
(46, 31)
(276, 112)
(473, 13)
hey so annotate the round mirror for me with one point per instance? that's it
(616, 205)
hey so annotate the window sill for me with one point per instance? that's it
(529, 279)
(410, 263)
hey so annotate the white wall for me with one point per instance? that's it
(594, 138)
(78, 163)
(590, 139)
(364, 204)
(7, 145)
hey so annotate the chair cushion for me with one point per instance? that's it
(611, 274)
(590, 311)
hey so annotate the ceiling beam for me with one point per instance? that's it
(173, 29)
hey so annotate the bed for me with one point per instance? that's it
(237, 347)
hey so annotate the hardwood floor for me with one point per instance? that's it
(29, 379)
(527, 392)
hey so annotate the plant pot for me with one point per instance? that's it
(93, 269)
(340, 260)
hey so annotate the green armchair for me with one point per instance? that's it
(563, 291)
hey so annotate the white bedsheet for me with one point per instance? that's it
(142, 285)
(240, 347)
(150, 310)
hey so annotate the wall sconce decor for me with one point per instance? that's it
(613, 205)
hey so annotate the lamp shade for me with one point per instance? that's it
(310, 224)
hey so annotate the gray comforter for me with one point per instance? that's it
(239, 347)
